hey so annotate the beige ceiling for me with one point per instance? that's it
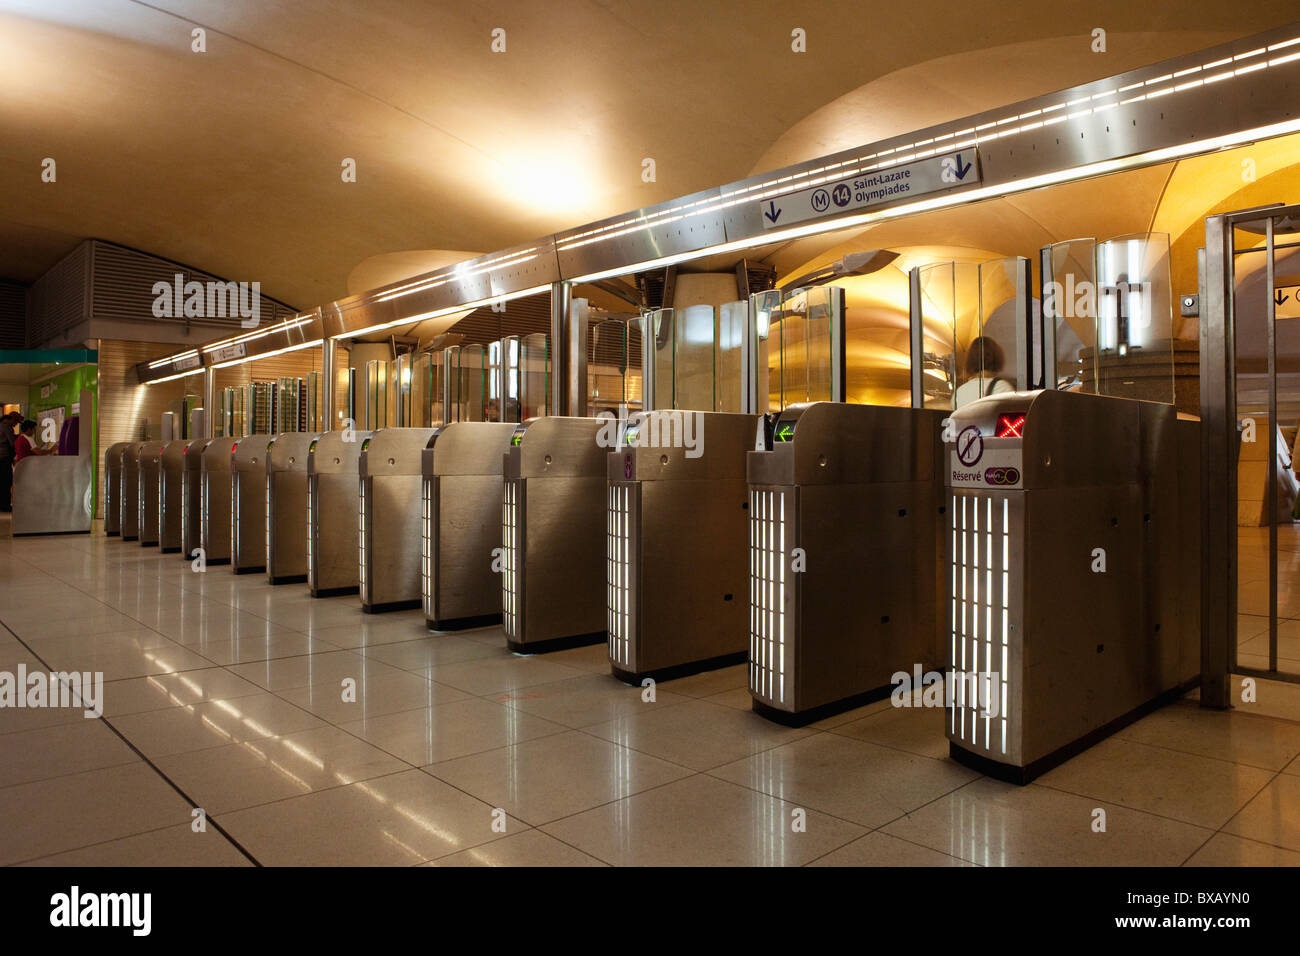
(229, 160)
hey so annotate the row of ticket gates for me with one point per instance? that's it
(1039, 548)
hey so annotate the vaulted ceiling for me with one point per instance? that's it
(230, 159)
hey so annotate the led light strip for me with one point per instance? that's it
(426, 545)
(512, 502)
(618, 573)
(767, 595)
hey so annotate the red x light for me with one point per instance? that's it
(1011, 425)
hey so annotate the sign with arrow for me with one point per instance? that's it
(935, 174)
(784, 431)
(1286, 303)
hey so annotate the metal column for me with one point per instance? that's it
(328, 355)
(1219, 439)
(209, 400)
(561, 297)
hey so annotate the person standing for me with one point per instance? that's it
(7, 450)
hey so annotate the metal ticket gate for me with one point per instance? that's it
(214, 516)
(1073, 549)
(677, 575)
(248, 503)
(149, 478)
(553, 534)
(113, 487)
(171, 496)
(844, 512)
(286, 507)
(461, 494)
(390, 525)
(192, 497)
(129, 503)
(332, 504)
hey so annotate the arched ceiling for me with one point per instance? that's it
(229, 160)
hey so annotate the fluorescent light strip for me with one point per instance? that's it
(777, 187)
(260, 333)
(1090, 170)
(168, 378)
(171, 359)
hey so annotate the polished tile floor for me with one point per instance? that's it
(226, 694)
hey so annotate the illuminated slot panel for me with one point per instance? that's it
(767, 595)
(426, 545)
(312, 484)
(270, 518)
(510, 504)
(618, 579)
(235, 552)
(363, 499)
(185, 509)
(981, 570)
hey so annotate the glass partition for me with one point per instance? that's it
(657, 328)
(945, 299)
(766, 308)
(1069, 309)
(607, 366)
(472, 377)
(803, 366)
(534, 376)
(988, 361)
(693, 359)
(730, 364)
(1134, 348)
(376, 395)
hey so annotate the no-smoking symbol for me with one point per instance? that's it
(970, 446)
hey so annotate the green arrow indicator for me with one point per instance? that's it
(784, 431)
(516, 439)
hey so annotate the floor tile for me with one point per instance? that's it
(530, 848)
(60, 750)
(1181, 786)
(550, 777)
(215, 723)
(1273, 816)
(170, 846)
(1224, 849)
(881, 849)
(702, 821)
(696, 734)
(1000, 824)
(258, 771)
(65, 813)
(851, 779)
(583, 701)
(402, 819)
(446, 731)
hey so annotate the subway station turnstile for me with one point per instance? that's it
(149, 479)
(332, 502)
(677, 576)
(844, 552)
(286, 507)
(129, 503)
(214, 517)
(553, 534)
(192, 498)
(389, 514)
(171, 496)
(461, 516)
(1072, 592)
(113, 487)
(248, 503)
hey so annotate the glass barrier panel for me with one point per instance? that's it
(693, 359)
(657, 329)
(986, 361)
(765, 307)
(534, 376)
(1069, 304)
(473, 373)
(1134, 350)
(731, 365)
(633, 379)
(607, 360)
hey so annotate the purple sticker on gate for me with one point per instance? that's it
(627, 467)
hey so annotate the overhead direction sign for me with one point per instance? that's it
(934, 174)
